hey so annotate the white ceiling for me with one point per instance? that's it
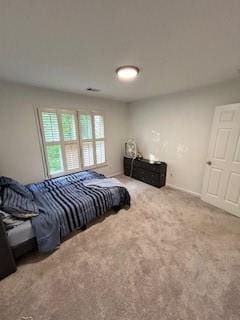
(74, 44)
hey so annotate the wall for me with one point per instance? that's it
(173, 128)
(20, 153)
(176, 129)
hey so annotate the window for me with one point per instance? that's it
(92, 138)
(72, 140)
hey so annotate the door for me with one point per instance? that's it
(221, 184)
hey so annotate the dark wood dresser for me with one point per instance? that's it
(151, 172)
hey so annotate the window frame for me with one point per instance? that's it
(76, 112)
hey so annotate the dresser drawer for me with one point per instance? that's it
(148, 166)
(146, 176)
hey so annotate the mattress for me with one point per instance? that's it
(20, 233)
(66, 204)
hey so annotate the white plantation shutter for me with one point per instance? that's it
(100, 152)
(70, 140)
(54, 159)
(50, 126)
(86, 135)
(51, 135)
(87, 153)
(99, 138)
(60, 140)
(72, 156)
(68, 126)
(92, 138)
(98, 126)
(65, 133)
(85, 122)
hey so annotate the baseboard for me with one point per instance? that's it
(115, 174)
(196, 194)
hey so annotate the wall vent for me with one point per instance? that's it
(93, 90)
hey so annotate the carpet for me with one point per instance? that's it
(169, 257)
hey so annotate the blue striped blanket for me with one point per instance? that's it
(66, 204)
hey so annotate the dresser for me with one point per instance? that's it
(151, 172)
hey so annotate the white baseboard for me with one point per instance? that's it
(115, 174)
(196, 194)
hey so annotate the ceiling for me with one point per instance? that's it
(74, 44)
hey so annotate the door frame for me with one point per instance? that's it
(212, 142)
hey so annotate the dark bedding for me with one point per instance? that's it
(65, 204)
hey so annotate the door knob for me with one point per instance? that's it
(209, 163)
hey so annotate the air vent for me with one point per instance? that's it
(93, 90)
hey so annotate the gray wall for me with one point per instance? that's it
(173, 128)
(176, 129)
(20, 153)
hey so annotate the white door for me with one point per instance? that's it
(221, 184)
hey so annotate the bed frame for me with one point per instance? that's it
(7, 262)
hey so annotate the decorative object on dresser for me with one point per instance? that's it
(131, 149)
(151, 172)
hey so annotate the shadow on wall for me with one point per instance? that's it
(158, 147)
(155, 147)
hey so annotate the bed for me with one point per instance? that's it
(62, 205)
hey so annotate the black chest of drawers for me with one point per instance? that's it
(151, 172)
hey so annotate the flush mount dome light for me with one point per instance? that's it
(127, 73)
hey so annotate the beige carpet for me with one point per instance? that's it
(170, 256)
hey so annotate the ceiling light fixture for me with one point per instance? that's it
(127, 73)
